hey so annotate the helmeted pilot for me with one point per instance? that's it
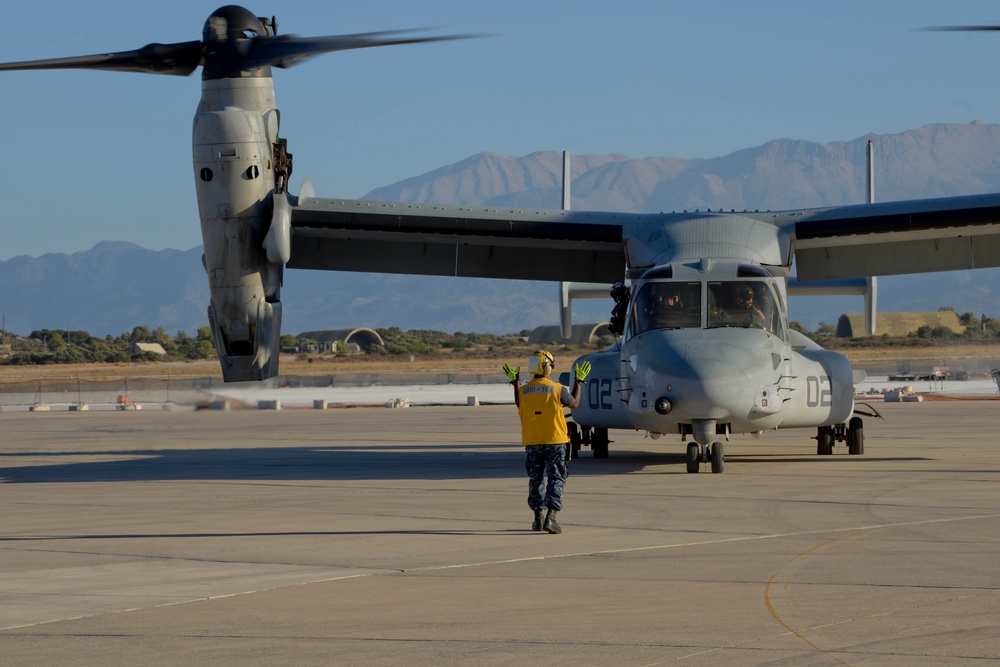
(620, 293)
(746, 301)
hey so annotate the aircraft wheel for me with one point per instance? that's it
(856, 436)
(718, 458)
(599, 443)
(693, 457)
(824, 440)
(574, 439)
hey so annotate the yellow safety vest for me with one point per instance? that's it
(541, 411)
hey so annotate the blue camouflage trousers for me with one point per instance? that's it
(541, 461)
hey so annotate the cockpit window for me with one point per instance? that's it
(667, 305)
(749, 304)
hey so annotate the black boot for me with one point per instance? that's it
(536, 525)
(550, 522)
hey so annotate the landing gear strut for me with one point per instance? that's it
(853, 432)
(714, 453)
(596, 438)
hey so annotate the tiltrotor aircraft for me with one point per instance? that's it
(706, 350)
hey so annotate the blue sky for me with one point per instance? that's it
(93, 156)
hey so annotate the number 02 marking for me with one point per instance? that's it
(818, 391)
(599, 394)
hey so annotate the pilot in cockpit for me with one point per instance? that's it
(666, 309)
(746, 302)
(671, 299)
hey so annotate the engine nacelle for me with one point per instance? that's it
(233, 138)
(248, 347)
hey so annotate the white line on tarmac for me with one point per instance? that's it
(746, 538)
(439, 568)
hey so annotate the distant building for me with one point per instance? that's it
(359, 339)
(583, 334)
(155, 348)
(852, 325)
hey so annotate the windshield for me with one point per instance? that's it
(667, 305)
(743, 303)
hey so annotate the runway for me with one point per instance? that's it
(379, 537)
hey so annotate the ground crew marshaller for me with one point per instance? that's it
(540, 404)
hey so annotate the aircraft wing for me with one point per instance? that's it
(484, 242)
(919, 236)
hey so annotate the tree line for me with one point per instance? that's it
(59, 346)
(977, 329)
(54, 346)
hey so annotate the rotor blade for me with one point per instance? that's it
(289, 50)
(963, 28)
(179, 59)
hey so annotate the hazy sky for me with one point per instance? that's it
(93, 156)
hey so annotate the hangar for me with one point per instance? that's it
(358, 339)
(852, 325)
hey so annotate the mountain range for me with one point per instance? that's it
(115, 285)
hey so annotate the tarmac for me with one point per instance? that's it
(402, 536)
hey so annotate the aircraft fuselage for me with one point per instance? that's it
(706, 352)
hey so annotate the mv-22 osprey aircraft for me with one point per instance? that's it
(706, 351)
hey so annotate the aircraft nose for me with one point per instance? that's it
(706, 379)
(709, 389)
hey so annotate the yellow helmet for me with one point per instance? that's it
(539, 359)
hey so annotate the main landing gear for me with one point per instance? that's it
(853, 432)
(714, 453)
(596, 438)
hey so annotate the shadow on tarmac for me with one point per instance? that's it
(372, 463)
(784, 458)
(397, 462)
(291, 533)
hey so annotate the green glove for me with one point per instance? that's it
(511, 373)
(581, 371)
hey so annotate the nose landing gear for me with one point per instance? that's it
(714, 454)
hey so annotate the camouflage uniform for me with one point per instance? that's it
(541, 461)
(545, 438)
